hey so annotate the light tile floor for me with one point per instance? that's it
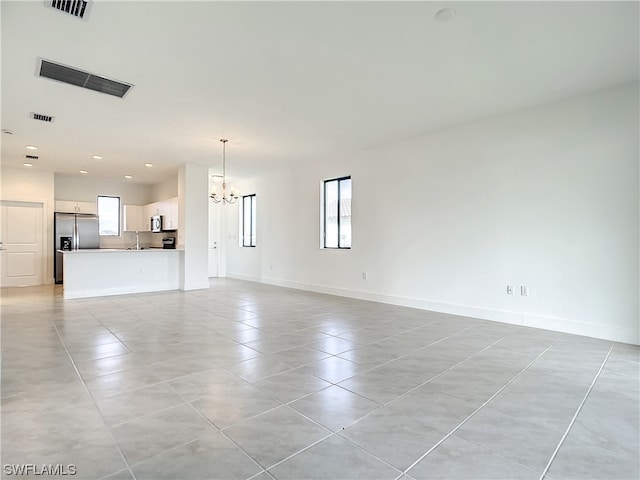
(252, 381)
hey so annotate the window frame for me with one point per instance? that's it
(252, 237)
(119, 222)
(337, 180)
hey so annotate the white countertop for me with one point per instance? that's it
(121, 250)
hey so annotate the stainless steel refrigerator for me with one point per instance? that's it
(73, 231)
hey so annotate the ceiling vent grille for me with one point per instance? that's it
(77, 8)
(42, 118)
(79, 78)
(32, 157)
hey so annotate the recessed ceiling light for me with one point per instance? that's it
(444, 14)
(148, 164)
(97, 157)
(31, 147)
(83, 172)
(27, 164)
(128, 176)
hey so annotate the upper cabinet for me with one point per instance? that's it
(68, 206)
(151, 209)
(135, 219)
(87, 207)
(169, 210)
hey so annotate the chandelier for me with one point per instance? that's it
(224, 198)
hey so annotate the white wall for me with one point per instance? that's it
(86, 189)
(164, 190)
(546, 197)
(193, 234)
(21, 184)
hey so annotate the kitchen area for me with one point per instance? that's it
(132, 250)
(183, 255)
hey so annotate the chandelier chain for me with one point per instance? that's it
(232, 197)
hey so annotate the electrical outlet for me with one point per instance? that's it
(524, 291)
(509, 289)
(364, 275)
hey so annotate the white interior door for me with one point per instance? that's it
(213, 240)
(21, 243)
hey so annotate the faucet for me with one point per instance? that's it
(137, 240)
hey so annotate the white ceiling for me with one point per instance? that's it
(290, 81)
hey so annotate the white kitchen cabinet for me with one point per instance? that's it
(170, 212)
(66, 206)
(87, 207)
(167, 208)
(151, 209)
(70, 206)
(135, 219)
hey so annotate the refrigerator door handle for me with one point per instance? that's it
(76, 235)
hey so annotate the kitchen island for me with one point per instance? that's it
(109, 271)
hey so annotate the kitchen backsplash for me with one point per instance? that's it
(128, 240)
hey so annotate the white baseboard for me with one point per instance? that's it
(105, 292)
(195, 285)
(605, 332)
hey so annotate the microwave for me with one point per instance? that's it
(156, 223)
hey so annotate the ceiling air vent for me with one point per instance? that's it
(79, 78)
(77, 8)
(42, 118)
(32, 157)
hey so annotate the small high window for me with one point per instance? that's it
(336, 213)
(109, 215)
(248, 221)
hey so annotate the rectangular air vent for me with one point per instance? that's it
(77, 8)
(42, 118)
(79, 78)
(31, 157)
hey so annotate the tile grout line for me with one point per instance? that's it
(84, 385)
(220, 430)
(260, 473)
(483, 404)
(575, 416)
(360, 447)
(279, 462)
(293, 368)
(331, 434)
(138, 315)
(416, 387)
(388, 361)
(391, 401)
(334, 336)
(201, 415)
(169, 449)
